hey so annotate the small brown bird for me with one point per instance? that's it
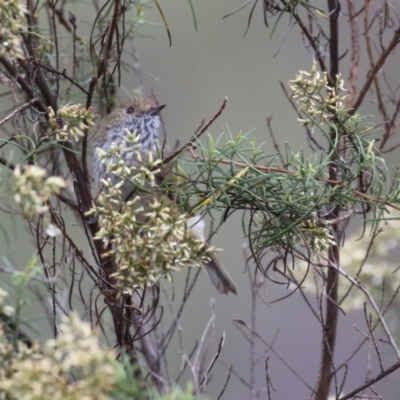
(142, 116)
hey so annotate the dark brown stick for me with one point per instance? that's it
(18, 110)
(197, 134)
(331, 316)
(373, 72)
(370, 382)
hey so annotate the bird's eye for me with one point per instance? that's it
(130, 110)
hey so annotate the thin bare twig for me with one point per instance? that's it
(271, 348)
(370, 382)
(18, 110)
(60, 73)
(196, 135)
(236, 9)
(271, 134)
(372, 337)
(226, 383)
(213, 361)
(375, 69)
(63, 21)
(355, 55)
(381, 105)
(373, 304)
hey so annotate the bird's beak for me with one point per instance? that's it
(156, 110)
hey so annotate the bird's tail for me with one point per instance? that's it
(219, 276)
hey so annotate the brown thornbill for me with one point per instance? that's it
(141, 116)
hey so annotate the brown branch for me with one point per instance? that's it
(18, 110)
(81, 255)
(6, 163)
(164, 21)
(197, 134)
(331, 316)
(64, 22)
(381, 105)
(203, 381)
(236, 9)
(107, 42)
(374, 71)
(312, 40)
(40, 78)
(310, 136)
(373, 304)
(370, 336)
(275, 143)
(329, 325)
(105, 50)
(61, 73)
(226, 383)
(239, 322)
(355, 55)
(370, 382)
(22, 82)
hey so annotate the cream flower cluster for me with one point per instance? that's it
(319, 101)
(32, 190)
(70, 121)
(72, 367)
(148, 236)
(12, 12)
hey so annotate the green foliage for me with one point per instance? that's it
(288, 205)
